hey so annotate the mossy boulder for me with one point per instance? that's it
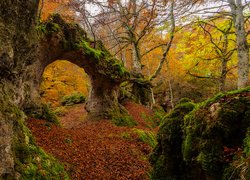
(210, 142)
(167, 158)
(31, 162)
(215, 127)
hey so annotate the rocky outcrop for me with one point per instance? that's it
(17, 53)
(211, 142)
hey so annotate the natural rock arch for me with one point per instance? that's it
(61, 40)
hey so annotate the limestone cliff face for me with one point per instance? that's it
(17, 55)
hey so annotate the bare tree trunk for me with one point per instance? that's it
(123, 57)
(168, 44)
(242, 47)
(223, 75)
(171, 93)
(136, 61)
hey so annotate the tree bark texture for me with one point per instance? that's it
(242, 46)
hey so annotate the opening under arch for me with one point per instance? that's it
(63, 78)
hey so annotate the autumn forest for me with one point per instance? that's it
(125, 89)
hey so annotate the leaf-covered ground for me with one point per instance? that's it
(96, 149)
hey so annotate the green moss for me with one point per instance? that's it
(221, 95)
(40, 166)
(167, 157)
(114, 68)
(46, 113)
(187, 148)
(123, 120)
(88, 50)
(218, 122)
(247, 143)
(41, 28)
(122, 71)
(31, 162)
(180, 110)
(47, 28)
(184, 100)
(120, 117)
(191, 142)
(159, 172)
(147, 137)
(126, 135)
(72, 99)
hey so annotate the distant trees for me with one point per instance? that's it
(236, 10)
(142, 34)
(48, 7)
(222, 42)
(125, 27)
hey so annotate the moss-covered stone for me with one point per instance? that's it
(31, 162)
(166, 158)
(218, 123)
(69, 41)
(212, 142)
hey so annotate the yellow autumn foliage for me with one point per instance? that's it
(63, 78)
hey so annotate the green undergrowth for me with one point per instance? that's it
(46, 113)
(122, 119)
(31, 162)
(145, 136)
(75, 98)
(153, 121)
(60, 111)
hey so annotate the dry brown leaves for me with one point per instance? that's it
(96, 149)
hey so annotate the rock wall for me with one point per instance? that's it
(17, 55)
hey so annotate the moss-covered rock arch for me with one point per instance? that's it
(61, 40)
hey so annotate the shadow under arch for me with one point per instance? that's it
(61, 40)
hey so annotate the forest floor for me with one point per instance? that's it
(96, 149)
